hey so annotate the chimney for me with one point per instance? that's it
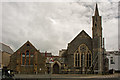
(45, 53)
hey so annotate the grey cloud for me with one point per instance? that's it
(51, 26)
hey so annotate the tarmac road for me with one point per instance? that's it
(67, 77)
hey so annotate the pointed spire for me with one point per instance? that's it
(96, 10)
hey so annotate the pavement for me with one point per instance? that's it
(66, 76)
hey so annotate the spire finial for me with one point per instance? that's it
(96, 10)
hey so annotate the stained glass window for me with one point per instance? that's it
(27, 57)
(78, 59)
(23, 58)
(75, 59)
(89, 60)
(31, 59)
(82, 60)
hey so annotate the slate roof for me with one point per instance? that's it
(81, 38)
(81, 34)
(28, 42)
(5, 48)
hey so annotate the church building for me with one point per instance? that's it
(27, 60)
(84, 54)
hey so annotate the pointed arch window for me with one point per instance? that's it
(31, 59)
(23, 58)
(27, 57)
(87, 60)
(83, 57)
(77, 59)
(82, 60)
(90, 60)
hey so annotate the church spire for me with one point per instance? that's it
(96, 11)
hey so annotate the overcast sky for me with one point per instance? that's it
(50, 26)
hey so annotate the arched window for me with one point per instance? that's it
(81, 60)
(27, 53)
(27, 57)
(89, 60)
(31, 59)
(23, 58)
(77, 59)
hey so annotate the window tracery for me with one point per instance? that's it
(82, 56)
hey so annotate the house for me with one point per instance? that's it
(5, 53)
(114, 60)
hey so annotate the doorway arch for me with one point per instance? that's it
(56, 67)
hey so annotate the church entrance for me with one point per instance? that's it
(55, 68)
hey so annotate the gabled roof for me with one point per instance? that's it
(5, 48)
(27, 43)
(81, 38)
(82, 34)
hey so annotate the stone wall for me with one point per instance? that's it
(38, 65)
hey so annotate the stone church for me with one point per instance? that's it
(84, 55)
(27, 60)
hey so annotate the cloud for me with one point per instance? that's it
(50, 26)
(1, 22)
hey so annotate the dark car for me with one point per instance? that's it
(7, 74)
(112, 71)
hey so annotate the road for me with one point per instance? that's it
(67, 77)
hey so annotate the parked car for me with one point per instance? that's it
(7, 74)
(112, 71)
